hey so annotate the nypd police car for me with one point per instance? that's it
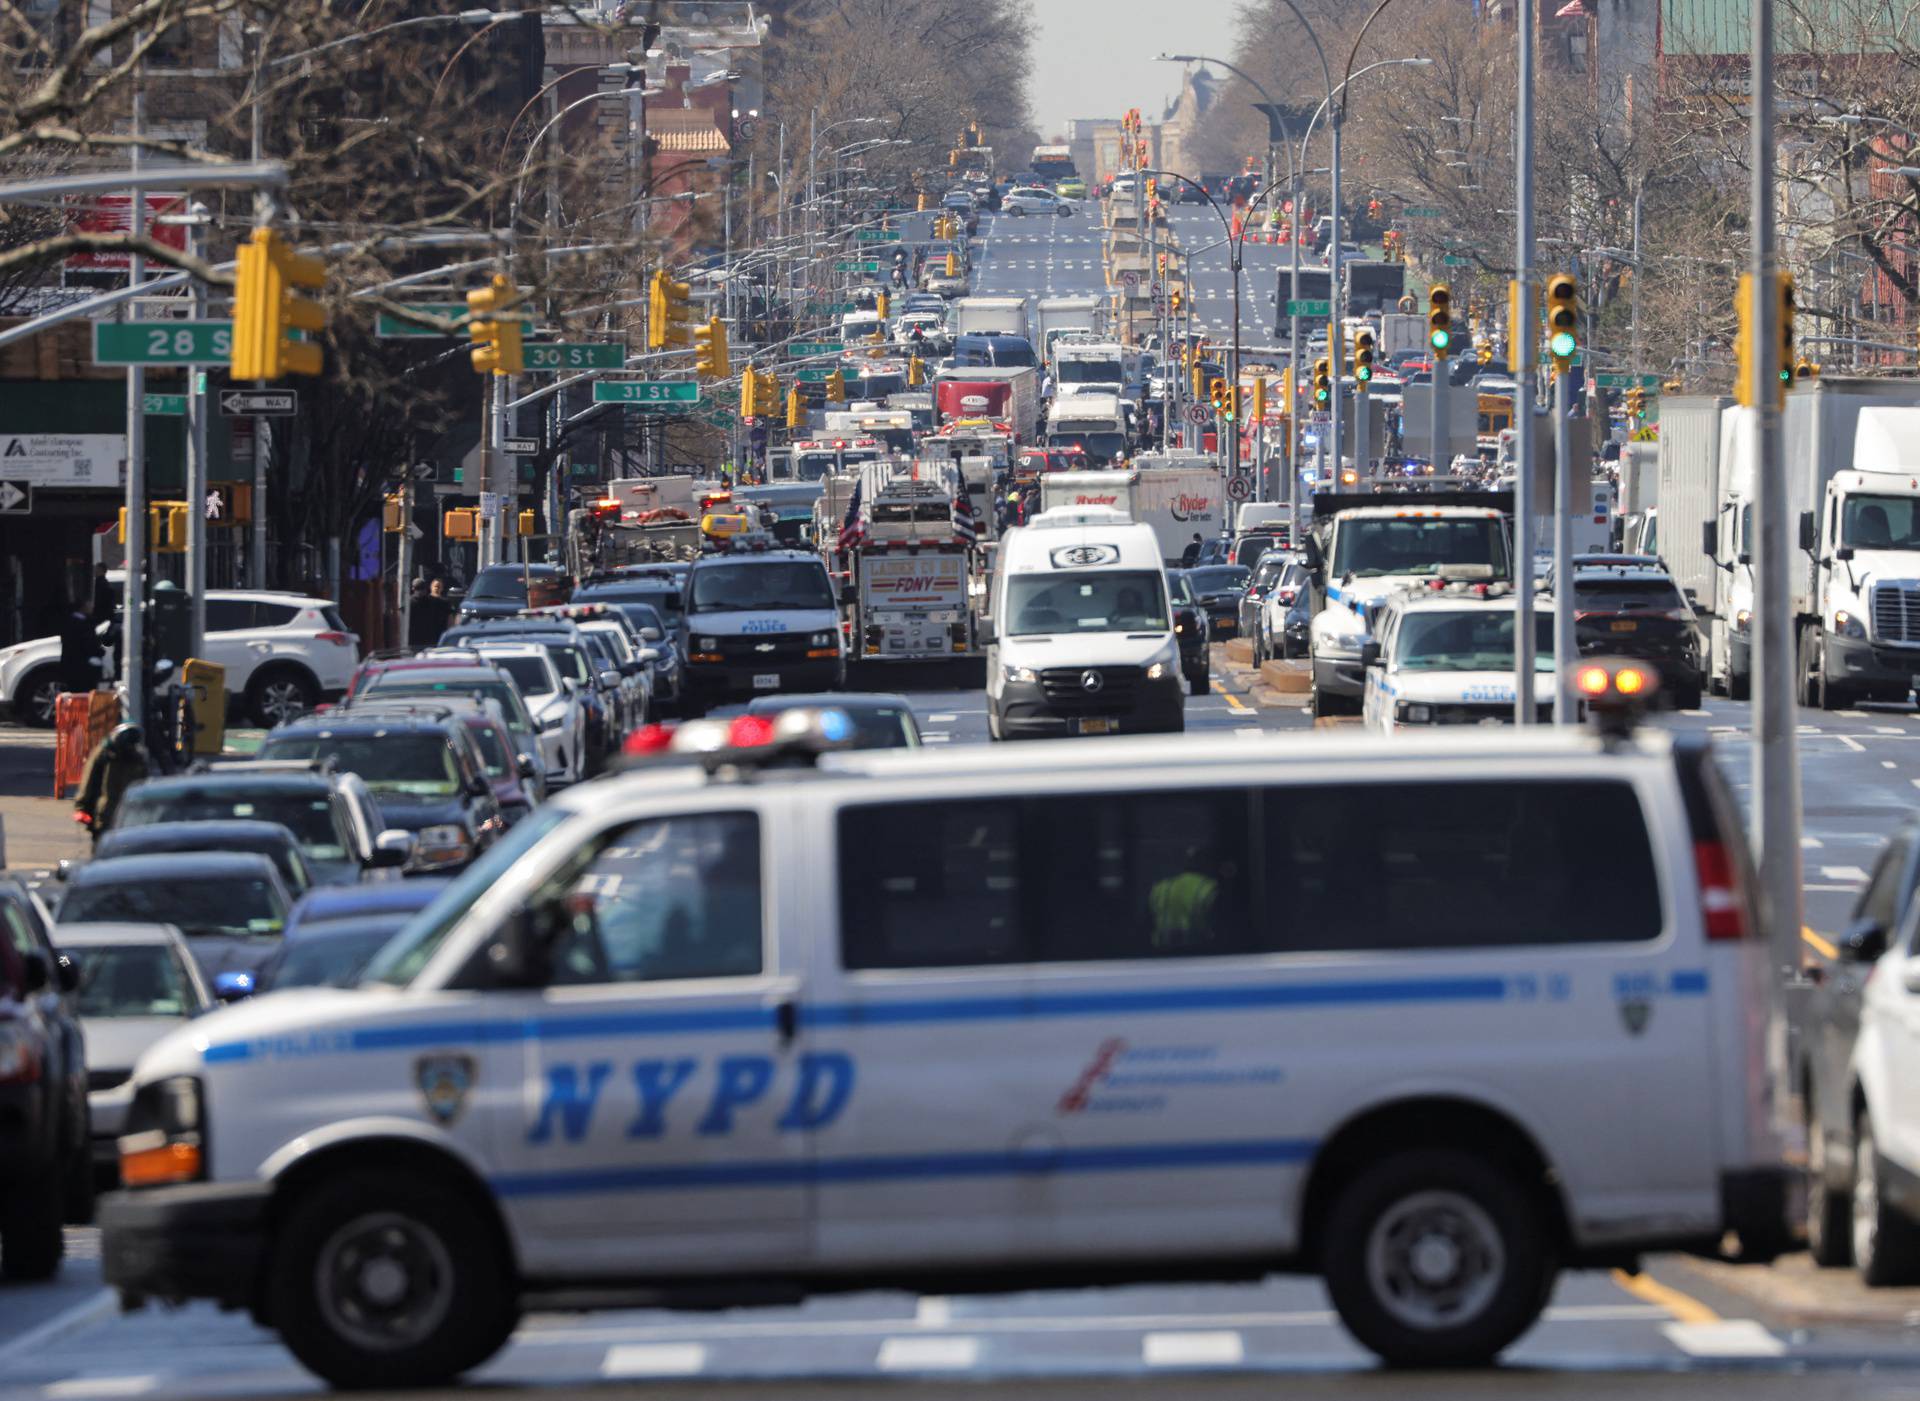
(757, 619)
(1431, 1019)
(1444, 656)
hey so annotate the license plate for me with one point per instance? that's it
(765, 682)
(1625, 625)
(1094, 725)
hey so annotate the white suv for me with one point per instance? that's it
(283, 652)
(555, 703)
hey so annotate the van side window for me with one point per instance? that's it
(1458, 865)
(929, 885)
(668, 897)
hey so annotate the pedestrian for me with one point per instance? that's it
(117, 763)
(426, 614)
(79, 650)
(1191, 555)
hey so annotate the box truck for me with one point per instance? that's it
(1178, 502)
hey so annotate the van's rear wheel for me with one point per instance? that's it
(1829, 1213)
(1436, 1258)
(388, 1280)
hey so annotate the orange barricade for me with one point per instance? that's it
(81, 720)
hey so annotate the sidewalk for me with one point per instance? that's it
(39, 828)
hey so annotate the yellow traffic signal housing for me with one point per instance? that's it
(749, 390)
(1743, 341)
(837, 387)
(916, 371)
(1259, 398)
(920, 203)
(1805, 369)
(1178, 301)
(953, 265)
(1363, 359)
(1198, 374)
(460, 524)
(267, 306)
(526, 523)
(166, 526)
(669, 313)
(393, 514)
(880, 304)
(711, 359)
(1322, 382)
(1440, 320)
(766, 395)
(1563, 319)
(1786, 312)
(1217, 392)
(796, 408)
(495, 328)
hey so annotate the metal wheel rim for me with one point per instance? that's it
(283, 700)
(1435, 1260)
(43, 699)
(1866, 1201)
(354, 1275)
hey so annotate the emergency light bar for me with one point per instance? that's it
(745, 742)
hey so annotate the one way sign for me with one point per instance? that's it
(16, 498)
(265, 403)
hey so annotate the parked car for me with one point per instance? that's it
(283, 653)
(231, 906)
(1190, 630)
(137, 982)
(1283, 617)
(46, 1171)
(1267, 571)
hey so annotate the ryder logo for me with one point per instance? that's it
(1186, 508)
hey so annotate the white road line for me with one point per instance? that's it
(1696, 714)
(936, 736)
(933, 1311)
(655, 1360)
(1843, 873)
(1855, 745)
(928, 1354)
(1811, 843)
(1851, 714)
(88, 1310)
(1249, 730)
(1221, 1349)
(1832, 889)
(100, 1386)
(1888, 730)
(1888, 764)
(1733, 1337)
(944, 718)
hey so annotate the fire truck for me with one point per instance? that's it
(638, 520)
(909, 559)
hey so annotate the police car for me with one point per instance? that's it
(757, 619)
(1443, 655)
(1432, 1020)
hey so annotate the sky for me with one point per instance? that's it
(1094, 58)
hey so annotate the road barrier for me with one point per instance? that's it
(81, 720)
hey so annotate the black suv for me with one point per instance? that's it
(422, 767)
(46, 1164)
(1629, 606)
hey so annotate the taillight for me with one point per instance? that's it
(338, 639)
(1720, 906)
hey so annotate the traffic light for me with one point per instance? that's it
(1636, 403)
(1805, 369)
(796, 408)
(880, 304)
(1217, 394)
(953, 265)
(1363, 359)
(1563, 319)
(526, 523)
(1259, 398)
(1198, 374)
(1322, 383)
(766, 395)
(166, 526)
(460, 524)
(749, 391)
(1786, 330)
(711, 358)
(916, 371)
(393, 513)
(669, 313)
(494, 328)
(1440, 320)
(920, 203)
(837, 388)
(267, 307)
(1178, 301)
(1483, 352)
(1153, 189)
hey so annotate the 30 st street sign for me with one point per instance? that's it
(666, 393)
(1305, 308)
(575, 355)
(162, 342)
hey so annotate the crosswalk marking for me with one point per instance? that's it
(1219, 1349)
(1733, 1337)
(928, 1354)
(1843, 873)
(655, 1360)
(99, 1387)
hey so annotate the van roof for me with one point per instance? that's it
(1036, 546)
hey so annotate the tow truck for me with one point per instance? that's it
(643, 520)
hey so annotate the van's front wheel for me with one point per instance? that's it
(387, 1280)
(1435, 1258)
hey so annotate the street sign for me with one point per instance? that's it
(16, 498)
(1240, 486)
(388, 326)
(875, 236)
(856, 267)
(1454, 260)
(164, 405)
(669, 393)
(1421, 212)
(1620, 379)
(575, 355)
(162, 342)
(813, 374)
(267, 403)
(1304, 308)
(520, 447)
(800, 349)
(1199, 413)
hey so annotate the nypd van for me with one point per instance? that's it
(1434, 1021)
(758, 619)
(1444, 656)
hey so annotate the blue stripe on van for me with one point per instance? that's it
(799, 1172)
(902, 1011)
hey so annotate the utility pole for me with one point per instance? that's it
(133, 671)
(1335, 302)
(197, 490)
(262, 427)
(1776, 769)
(1566, 647)
(1521, 337)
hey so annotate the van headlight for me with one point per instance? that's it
(162, 1144)
(821, 639)
(1346, 641)
(444, 844)
(1021, 675)
(1157, 671)
(1413, 713)
(1741, 617)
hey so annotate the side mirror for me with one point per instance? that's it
(34, 973)
(393, 848)
(1863, 942)
(66, 972)
(985, 633)
(1807, 536)
(651, 635)
(1745, 558)
(1844, 552)
(1710, 539)
(1693, 597)
(1186, 620)
(233, 987)
(1369, 654)
(479, 787)
(520, 955)
(524, 766)
(649, 656)
(849, 594)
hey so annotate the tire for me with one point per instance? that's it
(1200, 685)
(1829, 1213)
(1886, 1245)
(32, 1217)
(1739, 687)
(1476, 1218)
(458, 1301)
(1688, 699)
(277, 694)
(1259, 646)
(1806, 690)
(33, 701)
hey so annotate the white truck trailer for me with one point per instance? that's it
(1059, 316)
(1006, 315)
(1689, 471)
(1180, 503)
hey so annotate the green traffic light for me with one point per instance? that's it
(1363, 373)
(1562, 345)
(1441, 339)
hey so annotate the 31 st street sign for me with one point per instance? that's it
(663, 393)
(162, 342)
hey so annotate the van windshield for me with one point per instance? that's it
(1880, 523)
(1100, 448)
(1115, 601)
(738, 587)
(1088, 371)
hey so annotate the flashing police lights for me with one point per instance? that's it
(796, 736)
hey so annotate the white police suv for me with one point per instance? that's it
(1444, 656)
(1434, 1020)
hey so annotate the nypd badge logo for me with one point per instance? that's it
(444, 1084)
(1636, 1012)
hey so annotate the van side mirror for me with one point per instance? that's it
(1843, 553)
(393, 848)
(1863, 942)
(1807, 537)
(985, 633)
(1369, 654)
(1710, 539)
